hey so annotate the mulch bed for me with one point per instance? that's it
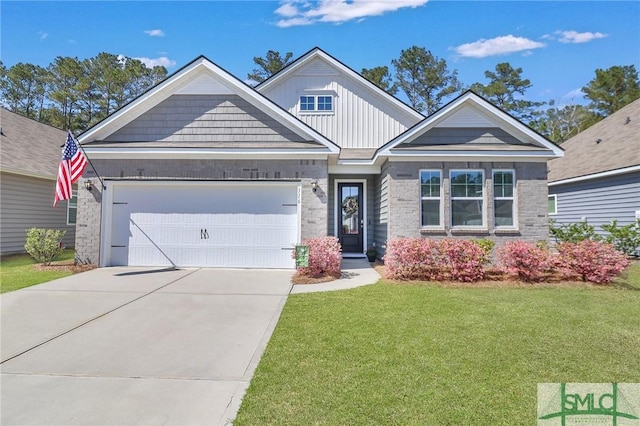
(64, 266)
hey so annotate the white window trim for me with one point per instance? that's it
(74, 193)
(555, 203)
(514, 210)
(440, 226)
(315, 96)
(483, 198)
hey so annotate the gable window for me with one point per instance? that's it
(503, 200)
(316, 103)
(72, 208)
(430, 198)
(553, 204)
(467, 198)
(307, 103)
(325, 103)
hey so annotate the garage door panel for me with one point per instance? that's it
(204, 225)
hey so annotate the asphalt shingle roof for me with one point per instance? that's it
(28, 146)
(611, 144)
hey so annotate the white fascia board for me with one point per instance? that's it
(483, 107)
(485, 157)
(202, 153)
(596, 175)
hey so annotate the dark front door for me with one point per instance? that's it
(350, 218)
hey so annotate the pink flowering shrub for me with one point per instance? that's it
(464, 259)
(592, 260)
(324, 257)
(413, 259)
(526, 260)
(425, 259)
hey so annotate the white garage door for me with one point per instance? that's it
(247, 225)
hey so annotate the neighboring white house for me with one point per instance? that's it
(598, 179)
(204, 170)
(30, 153)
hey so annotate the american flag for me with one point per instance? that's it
(71, 168)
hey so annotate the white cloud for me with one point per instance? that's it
(497, 46)
(576, 37)
(161, 61)
(575, 93)
(155, 33)
(295, 12)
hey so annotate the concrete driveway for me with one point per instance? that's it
(123, 346)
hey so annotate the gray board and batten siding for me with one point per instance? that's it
(598, 201)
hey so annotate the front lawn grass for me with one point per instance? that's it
(19, 271)
(431, 355)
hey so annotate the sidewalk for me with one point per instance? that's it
(355, 273)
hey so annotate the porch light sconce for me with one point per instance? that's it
(88, 185)
(314, 185)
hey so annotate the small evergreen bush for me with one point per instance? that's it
(44, 244)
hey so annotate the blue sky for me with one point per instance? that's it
(558, 44)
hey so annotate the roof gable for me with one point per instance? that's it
(200, 77)
(610, 144)
(471, 125)
(319, 62)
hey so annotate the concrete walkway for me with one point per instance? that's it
(355, 273)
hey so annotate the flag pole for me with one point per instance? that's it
(88, 159)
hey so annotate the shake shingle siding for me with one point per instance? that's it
(184, 119)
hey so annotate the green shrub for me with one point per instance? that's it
(625, 238)
(44, 244)
(487, 246)
(573, 233)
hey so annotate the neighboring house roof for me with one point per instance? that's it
(29, 147)
(200, 77)
(610, 145)
(317, 53)
(471, 126)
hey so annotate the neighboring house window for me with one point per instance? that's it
(503, 199)
(316, 103)
(467, 198)
(553, 204)
(72, 208)
(430, 198)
